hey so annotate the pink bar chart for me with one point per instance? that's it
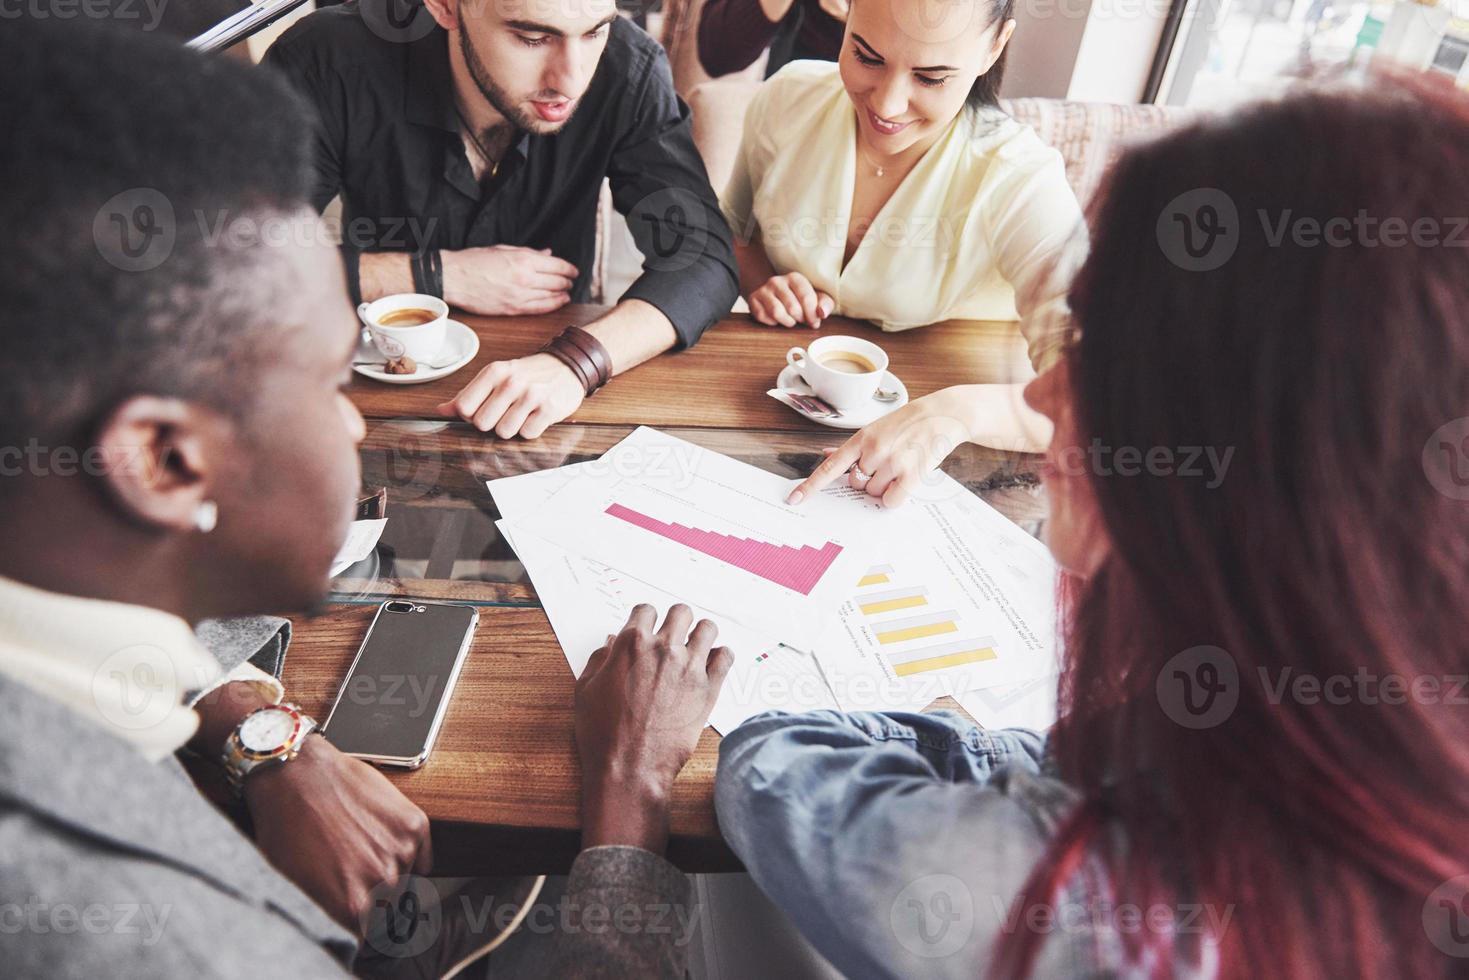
(798, 569)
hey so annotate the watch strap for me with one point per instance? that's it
(238, 764)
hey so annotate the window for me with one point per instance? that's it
(1228, 51)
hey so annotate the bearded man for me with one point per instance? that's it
(468, 140)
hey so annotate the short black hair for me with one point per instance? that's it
(128, 159)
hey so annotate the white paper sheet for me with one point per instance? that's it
(362, 537)
(1028, 705)
(963, 599)
(948, 549)
(586, 601)
(712, 529)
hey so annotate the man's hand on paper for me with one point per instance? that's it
(641, 703)
(891, 457)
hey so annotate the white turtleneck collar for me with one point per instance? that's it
(125, 668)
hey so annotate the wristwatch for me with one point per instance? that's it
(268, 736)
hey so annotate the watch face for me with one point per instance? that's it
(266, 731)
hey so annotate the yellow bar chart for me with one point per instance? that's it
(900, 617)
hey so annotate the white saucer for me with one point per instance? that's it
(851, 418)
(460, 343)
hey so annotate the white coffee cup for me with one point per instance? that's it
(844, 382)
(420, 341)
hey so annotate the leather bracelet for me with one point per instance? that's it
(580, 367)
(584, 355)
(593, 349)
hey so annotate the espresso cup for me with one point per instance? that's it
(843, 371)
(421, 341)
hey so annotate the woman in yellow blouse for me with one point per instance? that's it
(891, 187)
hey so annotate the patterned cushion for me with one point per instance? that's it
(1092, 135)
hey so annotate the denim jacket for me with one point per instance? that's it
(899, 843)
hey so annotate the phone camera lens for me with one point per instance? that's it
(399, 607)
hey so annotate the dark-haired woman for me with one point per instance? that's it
(891, 187)
(1261, 767)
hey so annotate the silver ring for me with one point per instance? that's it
(859, 475)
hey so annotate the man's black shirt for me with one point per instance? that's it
(388, 141)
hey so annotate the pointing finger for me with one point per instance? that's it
(834, 466)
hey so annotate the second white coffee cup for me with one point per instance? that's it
(843, 371)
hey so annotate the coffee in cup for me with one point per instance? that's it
(407, 325)
(410, 317)
(843, 371)
(847, 362)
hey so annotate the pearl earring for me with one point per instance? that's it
(206, 515)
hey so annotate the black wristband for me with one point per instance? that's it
(352, 260)
(428, 272)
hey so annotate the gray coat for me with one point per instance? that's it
(112, 866)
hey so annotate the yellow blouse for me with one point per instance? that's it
(985, 226)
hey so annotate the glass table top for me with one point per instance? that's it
(440, 541)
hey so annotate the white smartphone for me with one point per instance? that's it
(396, 693)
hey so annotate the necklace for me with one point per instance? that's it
(490, 161)
(877, 169)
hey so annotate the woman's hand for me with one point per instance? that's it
(641, 703)
(892, 456)
(789, 301)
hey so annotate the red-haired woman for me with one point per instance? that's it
(1262, 768)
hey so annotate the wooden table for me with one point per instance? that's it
(502, 783)
(720, 382)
